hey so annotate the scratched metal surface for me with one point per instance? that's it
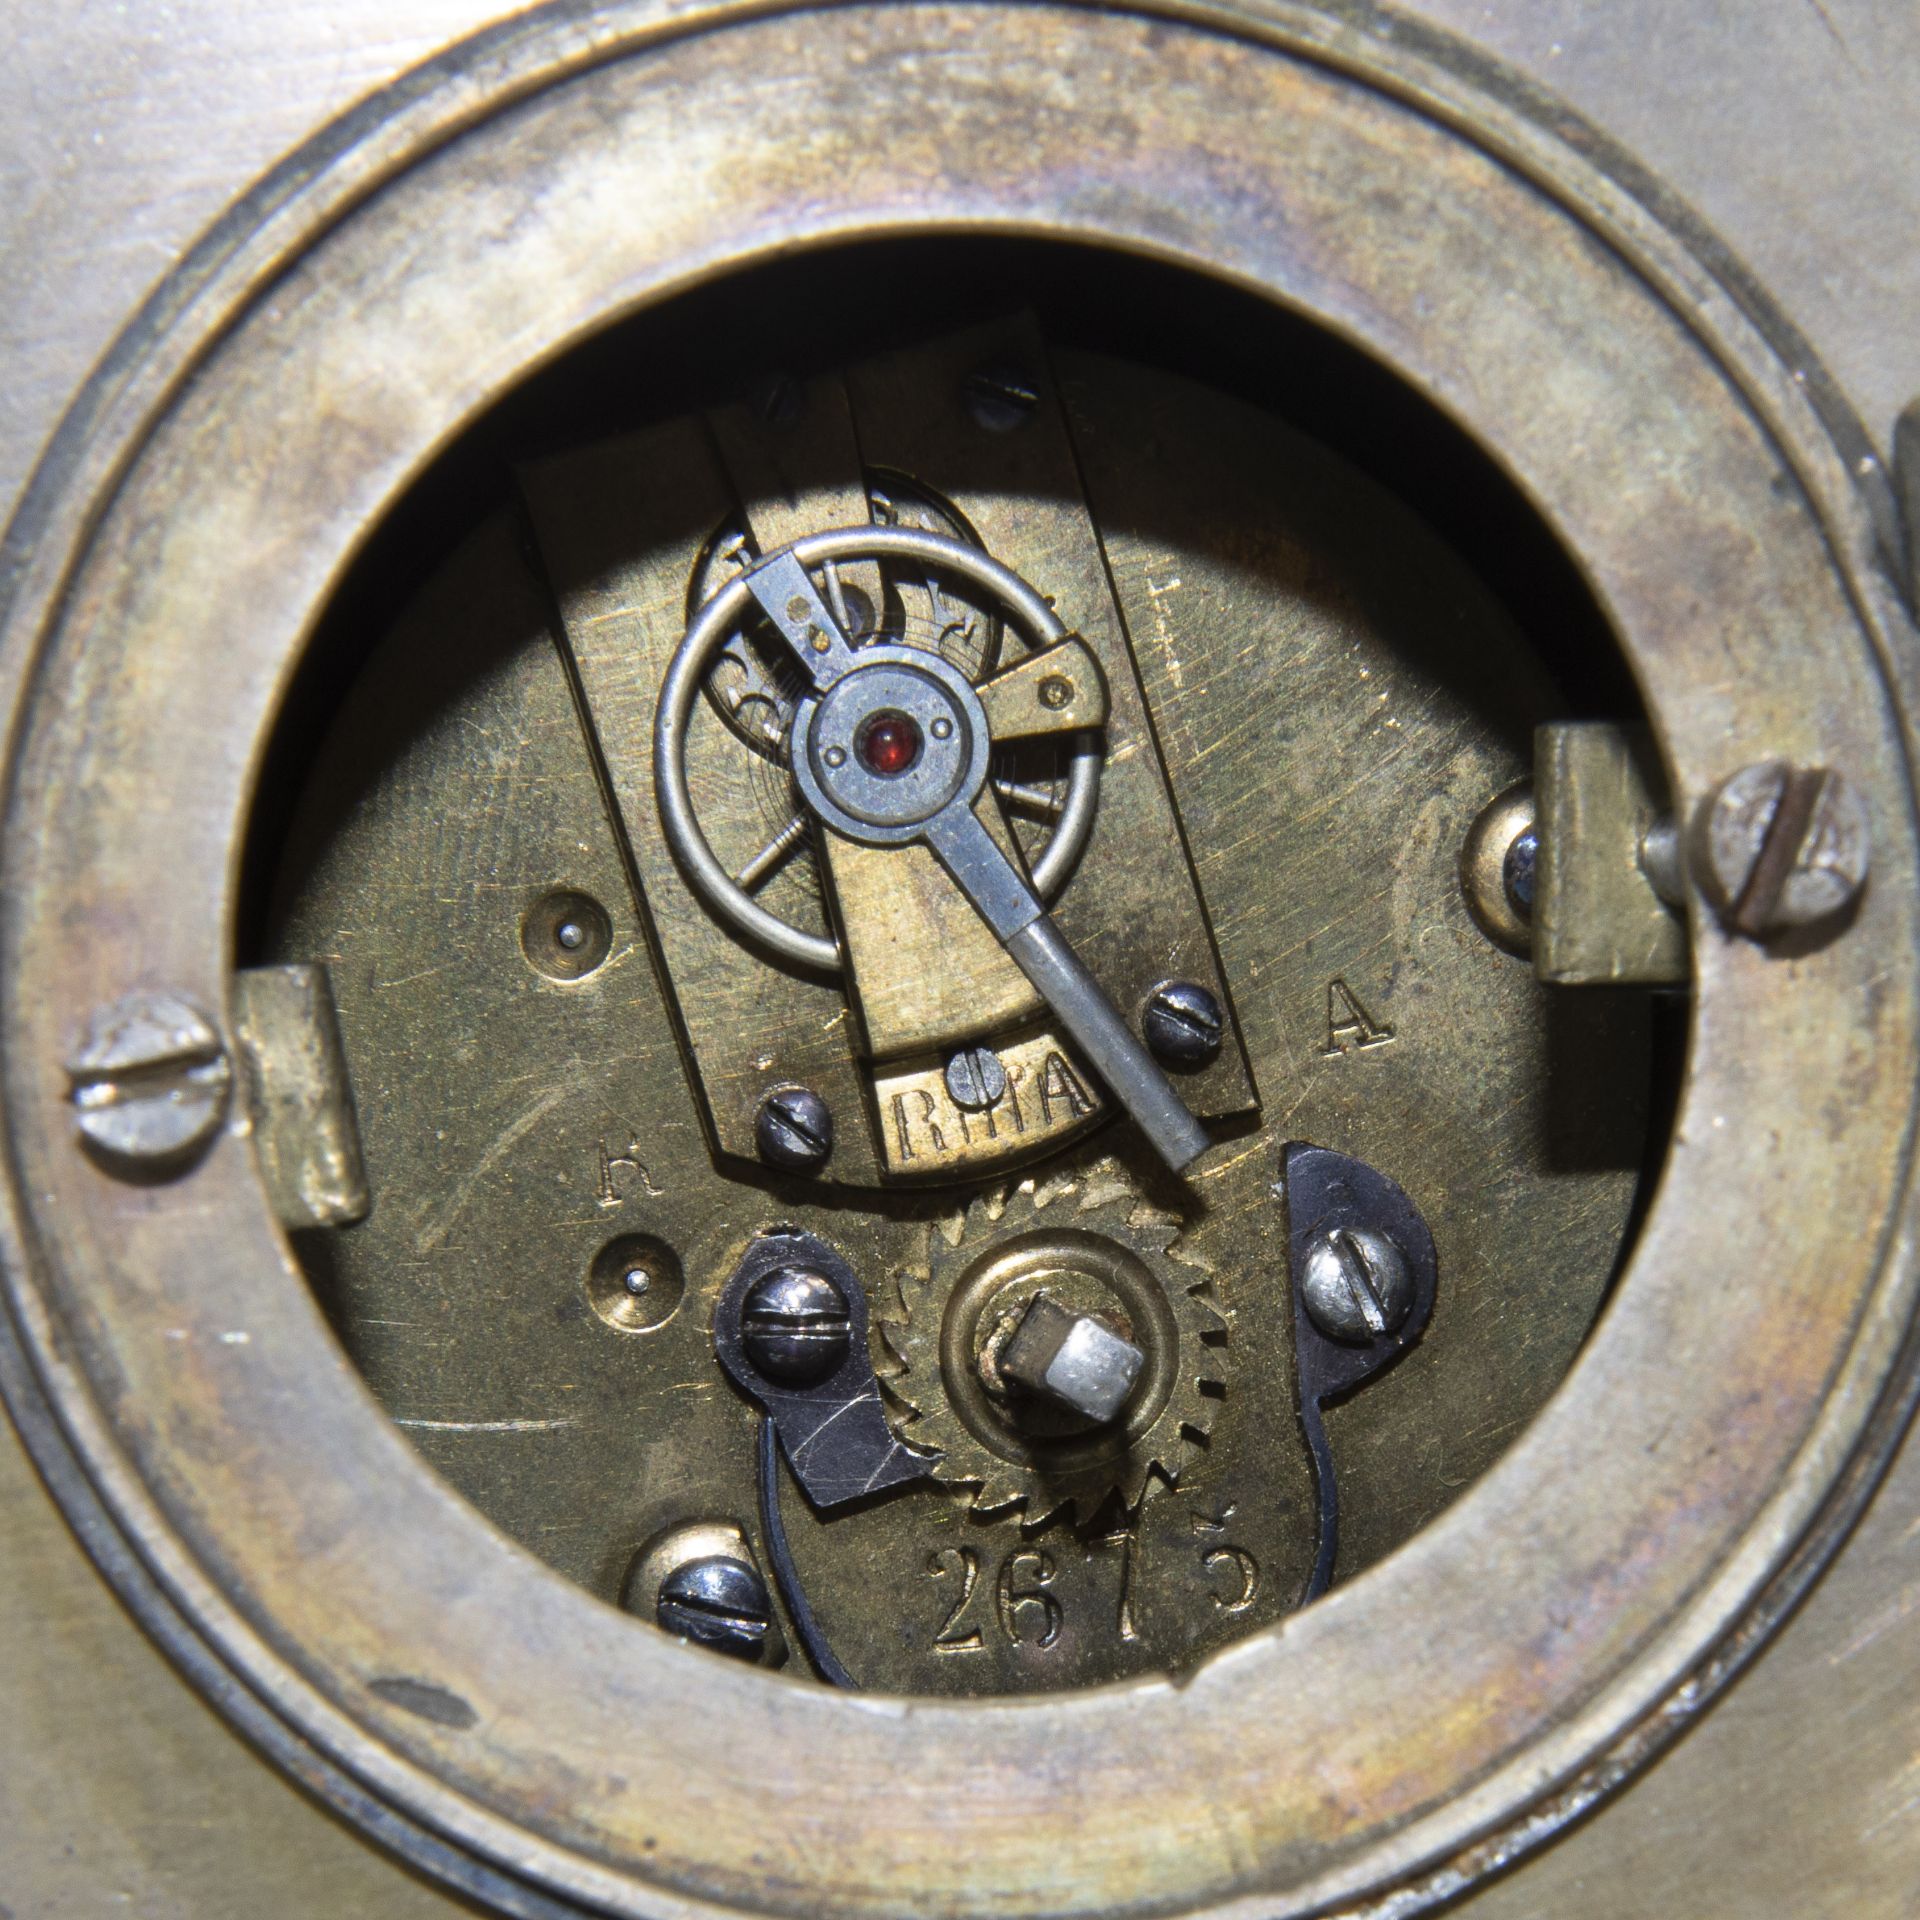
(124, 131)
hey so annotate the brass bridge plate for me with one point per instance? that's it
(625, 530)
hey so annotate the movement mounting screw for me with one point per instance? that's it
(1356, 1284)
(150, 1083)
(796, 1326)
(794, 1130)
(719, 1603)
(1183, 1024)
(1785, 847)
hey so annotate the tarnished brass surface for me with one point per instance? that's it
(302, 1107)
(1050, 1099)
(1694, 745)
(1131, 911)
(924, 972)
(1058, 692)
(1597, 920)
(921, 967)
(1792, 1797)
(747, 1027)
(121, 1788)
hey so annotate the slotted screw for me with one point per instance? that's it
(1356, 1284)
(1183, 1024)
(150, 1083)
(1000, 396)
(1519, 871)
(718, 1603)
(780, 401)
(796, 1327)
(975, 1079)
(794, 1130)
(1785, 847)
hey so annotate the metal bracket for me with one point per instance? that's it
(297, 1093)
(833, 1431)
(834, 1434)
(1330, 1194)
(1598, 918)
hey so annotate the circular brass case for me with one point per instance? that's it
(1444, 1710)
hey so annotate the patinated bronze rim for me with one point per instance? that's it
(1365, 1747)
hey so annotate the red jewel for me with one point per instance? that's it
(890, 743)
